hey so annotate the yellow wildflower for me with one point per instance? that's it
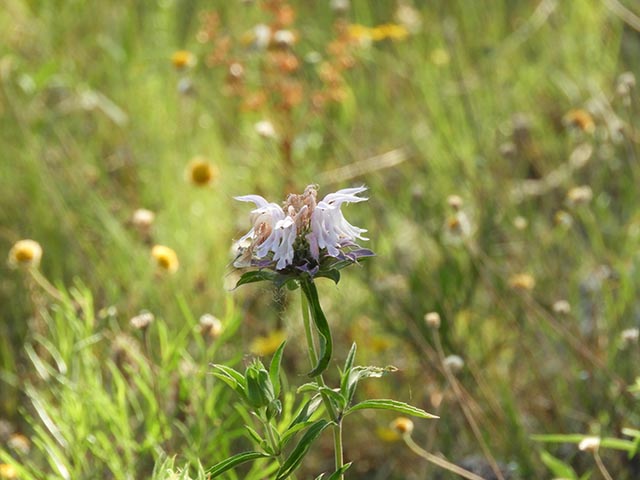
(390, 31)
(402, 425)
(8, 471)
(165, 258)
(268, 344)
(200, 172)
(25, 253)
(183, 59)
(580, 119)
(522, 281)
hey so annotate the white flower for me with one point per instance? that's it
(272, 231)
(329, 228)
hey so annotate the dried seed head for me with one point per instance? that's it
(165, 258)
(455, 202)
(265, 129)
(142, 219)
(579, 195)
(432, 319)
(520, 223)
(210, 325)
(626, 83)
(284, 38)
(589, 444)
(25, 253)
(142, 320)
(630, 336)
(183, 59)
(454, 363)
(402, 425)
(19, 443)
(522, 281)
(562, 307)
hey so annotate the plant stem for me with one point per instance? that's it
(313, 358)
(441, 462)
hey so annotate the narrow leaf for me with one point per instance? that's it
(320, 321)
(233, 462)
(298, 453)
(255, 276)
(557, 467)
(338, 473)
(394, 405)
(274, 368)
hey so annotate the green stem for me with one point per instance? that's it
(313, 358)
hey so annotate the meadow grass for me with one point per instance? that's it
(509, 105)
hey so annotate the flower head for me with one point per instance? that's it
(303, 235)
(25, 253)
(165, 258)
(200, 172)
(183, 59)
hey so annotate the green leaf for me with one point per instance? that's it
(332, 274)
(320, 321)
(350, 381)
(607, 442)
(348, 364)
(338, 473)
(233, 462)
(394, 405)
(274, 368)
(557, 467)
(256, 276)
(232, 378)
(254, 435)
(295, 458)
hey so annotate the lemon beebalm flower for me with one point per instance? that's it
(303, 235)
(25, 253)
(166, 258)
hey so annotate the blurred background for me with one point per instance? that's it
(500, 145)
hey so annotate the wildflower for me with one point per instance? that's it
(579, 195)
(142, 320)
(8, 471)
(409, 17)
(264, 346)
(165, 257)
(339, 6)
(142, 219)
(210, 325)
(580, 119)
(265, 129)
(563, 219)
(183, 59)
(454, 363)
(561, 306)
(402, 425)
(522, 281)
(261, 36)
(389, 31)
(25, 253)
(302, 236)
(589, 444)
(432, 319)
(457, 228)
(200, 172)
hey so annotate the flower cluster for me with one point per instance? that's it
(302, 235)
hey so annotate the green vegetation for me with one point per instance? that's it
(499, 142)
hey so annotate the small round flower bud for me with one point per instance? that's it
(454, 363)
(210, 325)
(142, 320)
(432, 319)
(520, 223)
(25, 253)
(165, 258)
(265, 129)
(589, 444)
(402, 425)
(562, 307)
